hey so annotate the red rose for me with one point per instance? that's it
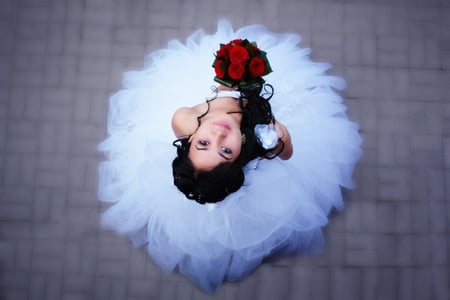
(236, 71)
(237, 42)
(222, 52)
(219, 68)
(238, 54)
(257, 67)
(255, 50)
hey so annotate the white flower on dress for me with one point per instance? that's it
(267, 135)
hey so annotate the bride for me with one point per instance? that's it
(263, 159)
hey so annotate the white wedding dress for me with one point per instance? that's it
(282, 205)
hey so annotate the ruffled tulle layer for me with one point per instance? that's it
(282, 205)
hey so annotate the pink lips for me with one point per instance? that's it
(223, 125)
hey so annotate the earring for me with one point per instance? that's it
(243, 138)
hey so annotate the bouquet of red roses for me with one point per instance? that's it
(240, 63)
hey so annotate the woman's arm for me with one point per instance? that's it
(284, 135)
(184, 122)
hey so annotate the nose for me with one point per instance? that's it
(220, 131)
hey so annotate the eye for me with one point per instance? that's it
(203, 143)
(226, 150)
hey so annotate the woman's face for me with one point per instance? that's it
(217, 140)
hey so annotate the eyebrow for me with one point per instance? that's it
(221, 154)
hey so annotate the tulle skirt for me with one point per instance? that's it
(282, 205)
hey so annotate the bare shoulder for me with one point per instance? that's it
(184, 121)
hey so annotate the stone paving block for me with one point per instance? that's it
(387, 283)
(329, 47)
(33, 13)
(28, 171)
(405, 283)
(16, 212)
(403, 218)
(404, 250)
(386, 245)
(360, 250)
(83, 198)
(391, 49)
(45, 230)
(101, 16)
(73, 296)
(11, 169)
(98, 110)
(92, 81)
(52, 179)
(77, 284)
(424, 53)
(128, 34)
(138, 263)
(363, 82)
(247, 288)
(55, 40)
(369, 284)
(421, 250)
(127, 49)
(54, 138)
(275, 283)
(72, 258)
(7, 254)
(439, 250)
(30, 62)
(143, 288)
(112, 268)
(7, 7)
(69, 67)
(102, 289)
(440, 279)
(359, 49)
(394, 85)
(438, 217)
(354, 25)
(95, 32)
(422, 283)
(118, 289)
(31, 30)
(37, 286)
(345, 283)
(25, 78)
(94, 65)
(46, 263)
(421, 216)
(15, 280)
(139, 13)
(77, 173)
(394, 184)
(352, 217)
(10, 230)
(113, 251)
(50, 247)
(329, 17)
(82, 106)
(5, 75)
(72, 38)
(88, 264)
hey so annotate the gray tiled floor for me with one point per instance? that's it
(59, 61)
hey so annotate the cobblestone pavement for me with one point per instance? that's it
(61, 59)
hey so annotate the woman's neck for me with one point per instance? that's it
(224, 104)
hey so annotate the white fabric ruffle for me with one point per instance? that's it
(282, 205)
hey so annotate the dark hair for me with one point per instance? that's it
(214, 185)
